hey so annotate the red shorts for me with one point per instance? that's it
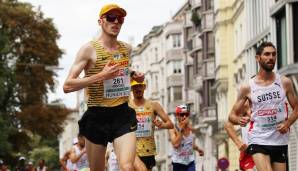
(246, 161)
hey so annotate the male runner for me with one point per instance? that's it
(147, 112)
(183, 141)
(107, 79)
(78, 154)
(268, 94)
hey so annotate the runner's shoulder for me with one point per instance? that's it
(128, 46)
(286, 81)
(244, 88)
(87, 50)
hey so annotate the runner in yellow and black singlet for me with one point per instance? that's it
(147, 112)
(107, 80)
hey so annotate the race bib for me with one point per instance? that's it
(270, 118)
(118, 86)
(144, 126)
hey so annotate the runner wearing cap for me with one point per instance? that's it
(108, 118)
(183, 141)
(147, 112)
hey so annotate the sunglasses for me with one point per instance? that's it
(112, 18)
(183, 114)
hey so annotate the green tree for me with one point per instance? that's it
(28, 43)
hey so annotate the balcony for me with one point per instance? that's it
(195, 4)
(209, 114)
(174, 80)
(209, 68)
(198, 83)
(207, 21)
(174, 54)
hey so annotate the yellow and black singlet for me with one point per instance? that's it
(112, 92)
(145, 130)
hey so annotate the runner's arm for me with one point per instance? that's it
(293, 100)
(235, 114)
(74, 83)
(195, 147)
(62, 162)
(167, 123)
(175, 137)
(75, 158)
(229, 127)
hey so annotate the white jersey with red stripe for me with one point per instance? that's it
(269, 108)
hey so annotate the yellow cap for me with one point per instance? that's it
(134, 82)
(108, 7)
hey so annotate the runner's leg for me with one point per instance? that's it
(262, 162)
(279, 166)
(125, 148)
(139, 165)
(96, 156)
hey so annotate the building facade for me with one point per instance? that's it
(230, 39)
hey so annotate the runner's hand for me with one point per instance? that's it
(157, 123)
(201, 152)
(138, 76)
(242, 147)
(283, 127)
(243, 120)
(110, 70)
(184, 123)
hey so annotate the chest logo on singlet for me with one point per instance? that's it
(117, 56)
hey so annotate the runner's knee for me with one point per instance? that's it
(127, 167)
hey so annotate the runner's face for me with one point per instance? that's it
(267, 59)
(138, 91)
(182, 116)
(111, 23)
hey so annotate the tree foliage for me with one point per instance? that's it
(28, 43)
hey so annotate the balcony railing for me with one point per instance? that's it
(209, 114)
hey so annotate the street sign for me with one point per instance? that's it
(223, 163)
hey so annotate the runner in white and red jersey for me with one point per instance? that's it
(268, 94)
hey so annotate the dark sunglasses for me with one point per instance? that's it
(112, 18)
(183, 114)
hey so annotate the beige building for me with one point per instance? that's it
(230, 39)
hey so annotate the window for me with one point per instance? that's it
(210, 42)
(209, 93)
(156, 82)
(177, 93)
(281, 31)
(295, 25)
(176, 40)
(169, 95)
(208, 4)
(156, 54)
(198, 61)
(177, 67)
(190, 76)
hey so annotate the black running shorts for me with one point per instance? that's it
(149, 161)
(101, 125)
(276, 153)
